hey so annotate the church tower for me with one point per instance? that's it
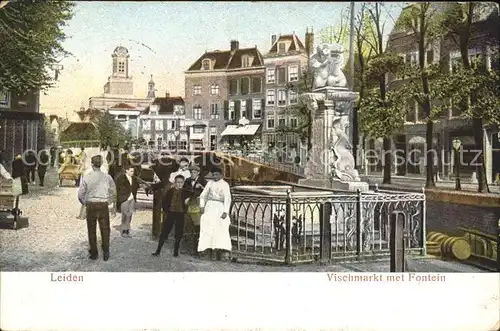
(151, 88)
(120, 82)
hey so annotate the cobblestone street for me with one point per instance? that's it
(57, 241)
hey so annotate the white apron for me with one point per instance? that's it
(214, 231)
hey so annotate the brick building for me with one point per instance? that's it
(284, 63)
(221, 87)
(485, 38)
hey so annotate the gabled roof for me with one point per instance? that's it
(166, 105)
(81, 127)
(122, 106)
(226, 60)
(295, 45)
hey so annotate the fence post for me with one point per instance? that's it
(325, 243)
(359, 223)
(288, 228)
(397, 245)
(423, 211)
(156, 214)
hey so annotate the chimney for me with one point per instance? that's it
(167, 94)
(234, 45)
(309, 40)
(273, 39)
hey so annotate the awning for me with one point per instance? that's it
(197, 136)
(236, 130)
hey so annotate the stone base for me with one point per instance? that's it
(335, 184)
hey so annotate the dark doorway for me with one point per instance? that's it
(213, 142)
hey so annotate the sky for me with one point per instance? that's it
(165, 38)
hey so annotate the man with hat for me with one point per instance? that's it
(97, 191)
(194, 185)
(215, 201)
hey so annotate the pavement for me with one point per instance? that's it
(56, 241)
(417, 183)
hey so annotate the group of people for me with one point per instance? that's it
(24, 169)
(185, 196)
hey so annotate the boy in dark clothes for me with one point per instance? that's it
(174, 206)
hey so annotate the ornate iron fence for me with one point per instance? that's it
(291, 224)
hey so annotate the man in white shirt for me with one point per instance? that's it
(126, 186)
(183, 170)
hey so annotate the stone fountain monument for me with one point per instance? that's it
(331, 163)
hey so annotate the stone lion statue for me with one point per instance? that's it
(327, 65)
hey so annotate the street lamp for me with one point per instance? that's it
(456, 146)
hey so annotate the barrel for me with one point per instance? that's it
(433, 247)
(437, 237)
(456, 247)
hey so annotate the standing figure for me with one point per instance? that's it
(19, 171)
(53, 155)
(30, 162)
(126, 187)
(174, 207)
(42, 166)
(215, 201)
(96, 192)
(82, 160)
(195, 185)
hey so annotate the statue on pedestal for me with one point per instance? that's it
(327, 65)
(343, 164)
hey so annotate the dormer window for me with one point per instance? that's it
(205, 64)
(153, 109)
(281, 48)
(245, 61)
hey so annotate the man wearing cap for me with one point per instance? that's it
(97, 191)
(195, 185)
(215, 201)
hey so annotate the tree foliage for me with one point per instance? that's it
(31, 34)
(338, 34)
(111, 133)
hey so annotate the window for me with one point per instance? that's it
(293, 122)
(159, 125)
(245, 61)
(292, 95)
(171, 125)
(271, 75)
(206, 64)
(244, 85)
(197, 112)
(270, 97)
(410, 111)
(281, 97)
(233, 87)
(171, 144)
(183, 145)
(293, 73)
(153, 109)
(196, 89)
(281, 75)
(198, 130)
(214, 110)
(121, 66)
(281, 121)
(243, 109)
(146, 125)
(256, 85)
(231, 110)
(270, 122)
(257, 108)
(281, 48)
(214, 89)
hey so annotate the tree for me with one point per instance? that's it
(471, 84)
(31, 33)
(338, 34)
(424, 21)
(380, 64)
(111, 133)
(50, 137)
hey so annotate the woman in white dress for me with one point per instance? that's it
(215, 201)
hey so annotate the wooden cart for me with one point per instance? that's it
(10, 214)
(69, 172)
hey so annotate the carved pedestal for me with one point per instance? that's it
(331, 163)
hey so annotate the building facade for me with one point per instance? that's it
(163, 124)
(21, 124)
(451, 125)
(118, 93)
(284, 64)
(224, 86)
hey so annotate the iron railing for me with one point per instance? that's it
(484, 248)
(293, 223)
